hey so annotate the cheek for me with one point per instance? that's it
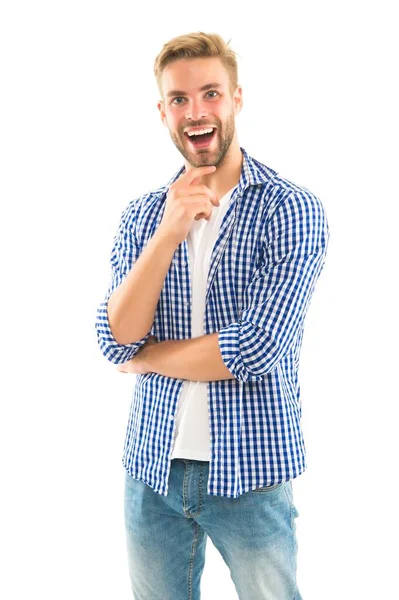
(172, 122)
(224, 114)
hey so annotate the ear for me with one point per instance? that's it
(237, 100)
(161, 109)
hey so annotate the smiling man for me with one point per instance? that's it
(207, 140)
(201, 118)
(212, 276)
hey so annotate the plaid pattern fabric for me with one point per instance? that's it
(264, 266)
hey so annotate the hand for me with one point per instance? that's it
(137, 365)
(186, 201)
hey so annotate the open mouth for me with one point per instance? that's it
(201, 140)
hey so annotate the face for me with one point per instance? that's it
(197, 96)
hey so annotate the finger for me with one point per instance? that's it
(194, 199)
(201, 211)
(203, 190)
(193, 172)
(201, 202)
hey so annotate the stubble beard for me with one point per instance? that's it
(205, 157)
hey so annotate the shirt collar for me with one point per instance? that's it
(252, 173)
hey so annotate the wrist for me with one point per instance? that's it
(146, 356)
(165, 239)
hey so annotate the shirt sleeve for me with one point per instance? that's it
(278, 295)
(125, 252)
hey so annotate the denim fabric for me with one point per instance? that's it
(166, 537)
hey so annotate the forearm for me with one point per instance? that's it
(131, 307)
(196, 359)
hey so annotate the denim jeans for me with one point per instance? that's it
(166, 537)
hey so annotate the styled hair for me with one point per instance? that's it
(197, 45)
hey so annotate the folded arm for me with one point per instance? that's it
(275, 304)
(196, 359)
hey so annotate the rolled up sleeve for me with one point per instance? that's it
(125, 252)
(278, 295)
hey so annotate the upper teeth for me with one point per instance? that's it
(200, 132)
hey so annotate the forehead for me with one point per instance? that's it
(189, 75)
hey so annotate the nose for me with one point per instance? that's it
(196, 110)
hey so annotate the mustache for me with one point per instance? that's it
(199, 124)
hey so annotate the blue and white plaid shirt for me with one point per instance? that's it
(264, 266)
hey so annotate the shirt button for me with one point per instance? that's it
(184, 263)
(187, 303)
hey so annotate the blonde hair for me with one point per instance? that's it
(197, 45)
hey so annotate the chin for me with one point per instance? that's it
(205, 163)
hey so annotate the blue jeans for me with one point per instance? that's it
(166, 537)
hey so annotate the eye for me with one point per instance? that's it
(178, 98)
(175, 100)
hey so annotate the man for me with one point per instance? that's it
(212, 276)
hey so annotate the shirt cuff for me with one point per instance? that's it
(236, 344)
(114, 352)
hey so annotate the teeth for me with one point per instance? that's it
(200, 132)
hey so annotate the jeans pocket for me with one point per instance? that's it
(268, 488)
(290, 498)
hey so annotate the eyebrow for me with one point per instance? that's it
(208, 86)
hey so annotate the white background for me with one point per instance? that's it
(80, 137)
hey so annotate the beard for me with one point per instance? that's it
(201, 158)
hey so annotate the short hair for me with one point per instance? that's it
(197, 45)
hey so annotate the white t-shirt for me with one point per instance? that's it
(192, 437)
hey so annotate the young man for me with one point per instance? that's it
(212, 275)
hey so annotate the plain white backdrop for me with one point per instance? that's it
(80, 137)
